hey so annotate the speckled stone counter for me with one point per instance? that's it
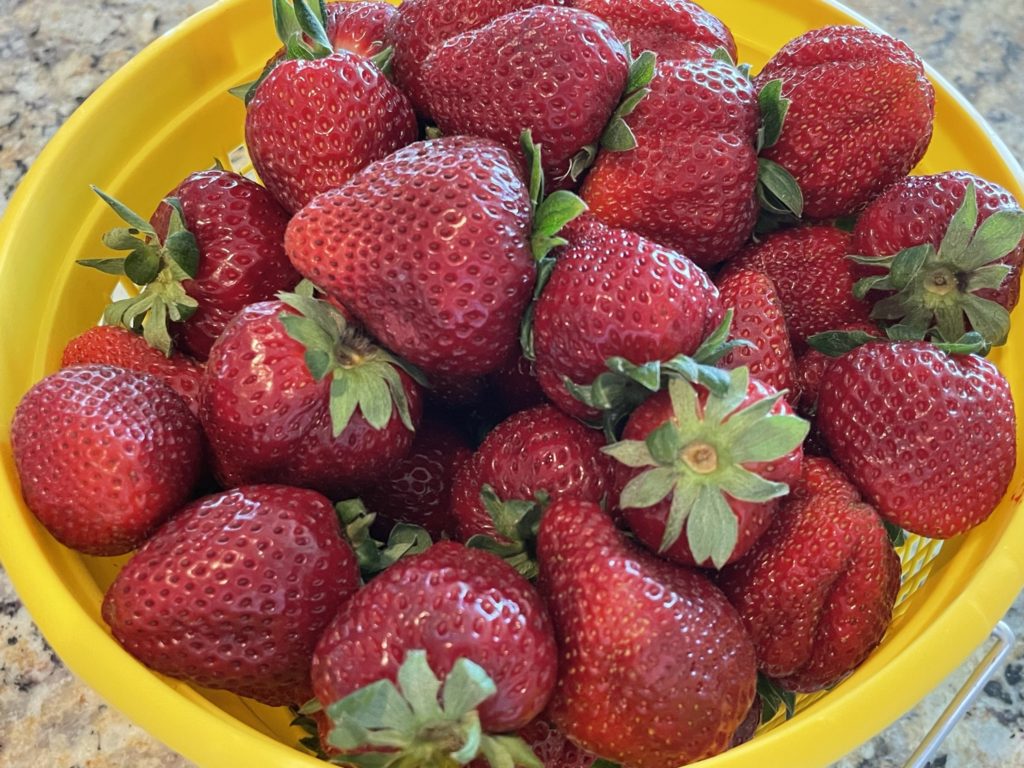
(52, 55)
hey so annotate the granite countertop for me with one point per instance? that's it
(52, 55)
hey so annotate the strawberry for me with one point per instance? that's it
(234, 591)
(550, 747)
(459, 614)
(812, 275)
(556, 72)
(515, 385)
(104, 455)
(359, 27)
(818, 589)
(117, 346)
(624, 618)
(812, 364)
(673, 29)
(420, 26)
(351, 114)
(927, 436)
(712, 464)
(943, 247)
(758, 318)
(860, 118)
(292, 395)
(690, 182)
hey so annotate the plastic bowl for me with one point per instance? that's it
(952, 594)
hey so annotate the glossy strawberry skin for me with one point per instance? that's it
(268, 419)
(351, 115)
(690, 182)
(540, 449)
(813, 277)
(429, 249)
(104, 455)
(648, 523)
(758, 318)
(928, 438)
(557, 72)
(234, 591)
(239, 228)
(861, 115)
(452, 602)
(672, 29)
(818, 589)
(615, 293)
(812, 364)
(359, 27)
(918, 209)
(623, 618)
(117, 346)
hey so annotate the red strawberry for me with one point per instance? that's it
(690, 182)
(861, 115)
(359, 27)
(235, 590)
(420, 26)
(928, 437)
(712, 464)
(758, 318)
(812, 364)
(429, 248)
(813, 277)
(114, 345)
(673, 29)
(950, 254)
(624, 619)
(818, 589)
(443, 612)
(556, 72)
(515, 385)
(104, 455)
(270, 418)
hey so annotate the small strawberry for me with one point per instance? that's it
(710, 464)
(945, 248)
(625, 619)
(359, 27)
(291, 394)
(235, 590)
(860, 118)
(927, 436)
(459, 614)
(114, 345)
(818, 589)
(813, 277)
(672, 29)
(104, 455)
(351, 114)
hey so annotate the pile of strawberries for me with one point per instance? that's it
(663, 358)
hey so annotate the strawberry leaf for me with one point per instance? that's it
(617, 135)
(838, 343)
(114, 266)
(961, 226)
(777, 190)
(897, 536)
(773, 113)
(774, 696)
(996, 237)
(632, 453)
(648, 488)
(507, 752)
(712, 528)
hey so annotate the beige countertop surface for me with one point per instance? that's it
(52, 56)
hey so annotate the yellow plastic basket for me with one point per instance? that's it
(168, 113)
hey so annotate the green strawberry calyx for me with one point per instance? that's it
(700, 458)
(422, 721)
(838, 343)
(362, 374)
(939, 286)
(517, 522)
(375, 556)
(773, 696)
(159, 269)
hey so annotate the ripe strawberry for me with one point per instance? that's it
(758, 318)
(623, 617)
(515, 385)
(818, 589)
(117, 346)
(351, 115)
(556, 72)
(813, 277)
(812, 364)
(270, 417)
(860, 118)
(234, 591)
(359, 27)
(104, 455)
(690, 182)
(673, 29)
(445, 611)
(928, 437)
(712, 464)
(943, 253)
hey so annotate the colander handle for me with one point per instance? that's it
(965, 697)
